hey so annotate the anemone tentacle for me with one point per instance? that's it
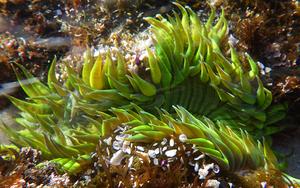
(230, 150)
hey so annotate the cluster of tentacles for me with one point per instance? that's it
(187, 88)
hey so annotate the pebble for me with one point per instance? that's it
(216, 169)
(199, 157)
(213, 183)
(203, 172)
(164, 141)
(172, 142)
(126, 147)
(58, 12)
(183, 138)
(196, 167)
(140, 148)
(155, 144)
(130, 161)
(263, 184)
(117, 145)
(232, 40)
(268, 70)
(117, 158)
(171, 153)
(156, 162)
(156, 151)
(152, 153)
(108, 141)
(121, 137)
(164, 148)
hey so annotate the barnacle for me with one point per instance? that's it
(217, 101)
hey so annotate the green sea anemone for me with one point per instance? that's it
(188, 68)
(209, 99)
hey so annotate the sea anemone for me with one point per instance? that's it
(187, 89)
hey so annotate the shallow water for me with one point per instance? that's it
(65, 30)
